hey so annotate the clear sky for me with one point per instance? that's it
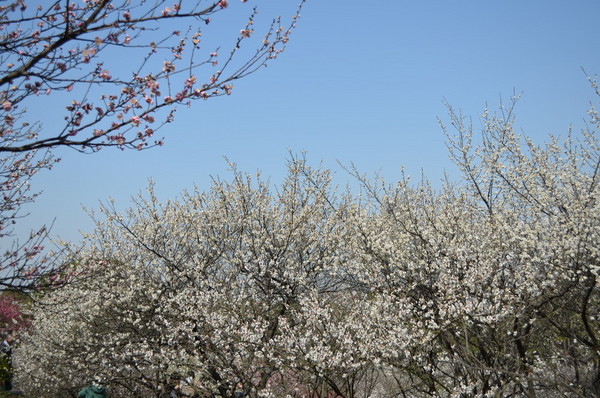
(360, 82)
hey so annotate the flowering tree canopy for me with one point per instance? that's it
(484, 288)
(72, 50)
(208, 283)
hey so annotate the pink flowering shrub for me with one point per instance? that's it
(12, 318)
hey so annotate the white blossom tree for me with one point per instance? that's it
(204, 284)
(490, 287)
(487, 287)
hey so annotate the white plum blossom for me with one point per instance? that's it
(488, 287)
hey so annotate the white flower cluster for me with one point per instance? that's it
(487, 288)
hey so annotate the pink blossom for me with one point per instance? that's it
(11, 315)
(135, 120)
(168, 66)
(87, 54)
(200, 93)
(7, 105)
(245, 32)
(223, 3)
(105, 75)
(190, 81)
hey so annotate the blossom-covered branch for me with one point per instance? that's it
(75, 47)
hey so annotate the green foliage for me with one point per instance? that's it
(6, 369)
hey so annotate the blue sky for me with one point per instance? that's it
(360, 82)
